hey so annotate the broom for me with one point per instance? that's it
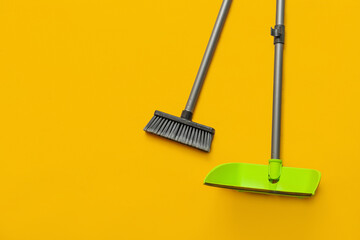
(182, 129)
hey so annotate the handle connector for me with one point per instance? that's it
(274, 173)
(278, 32)
(187, 115)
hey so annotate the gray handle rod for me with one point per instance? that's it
(278, 34)
(209, 52)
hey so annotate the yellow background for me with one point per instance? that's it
(80, 79)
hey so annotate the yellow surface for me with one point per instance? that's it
(80, 79)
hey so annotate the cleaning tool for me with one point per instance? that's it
(272, 178)
(182, 129)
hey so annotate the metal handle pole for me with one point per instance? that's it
(280, 6)
(205, 63)
(278, 34)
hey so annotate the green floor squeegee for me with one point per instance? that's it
(272, 178)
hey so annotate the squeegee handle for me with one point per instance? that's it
(205, 63)
(279, 34)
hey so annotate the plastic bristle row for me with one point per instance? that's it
(180, 132)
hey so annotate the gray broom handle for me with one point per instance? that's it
(209, 52)
(278, 67)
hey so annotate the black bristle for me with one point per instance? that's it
(181, 130)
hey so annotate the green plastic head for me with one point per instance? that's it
(268, 179)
